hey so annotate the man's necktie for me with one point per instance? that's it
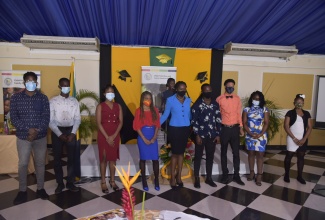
(230, 96)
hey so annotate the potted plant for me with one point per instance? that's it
(165, 156)
(88, 123)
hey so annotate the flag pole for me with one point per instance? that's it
(77, 164)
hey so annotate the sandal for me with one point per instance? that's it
(104, 189)
(113, 185)
(251, 176)
(258, 182)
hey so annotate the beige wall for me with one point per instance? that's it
(53, 64)
(249, 74)
(297, 74)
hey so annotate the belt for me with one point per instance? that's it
(69, 127)
(230, 126)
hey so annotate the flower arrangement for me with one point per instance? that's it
(165, 153)
(128, 198)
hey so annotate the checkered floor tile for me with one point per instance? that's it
(275, 199)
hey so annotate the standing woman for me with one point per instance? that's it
(109, 118)
(256, 121)
(179, 106)
(298, 125)
(146, 123)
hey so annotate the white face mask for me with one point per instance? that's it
(256, 103)
(65, 90)
(110, 96)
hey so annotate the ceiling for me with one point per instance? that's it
(173, 23)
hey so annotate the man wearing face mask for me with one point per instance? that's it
(206, 121)
(64, 123)
(232, 127)
(30, 114)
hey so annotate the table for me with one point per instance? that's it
(9, 155)
(119, 214)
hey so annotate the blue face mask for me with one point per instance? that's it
(30, 86)
(65, 90)
(256, 103)
(230, 90)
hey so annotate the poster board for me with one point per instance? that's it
(154, 79)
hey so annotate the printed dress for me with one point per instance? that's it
(255, 122)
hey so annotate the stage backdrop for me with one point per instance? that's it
(126, 73)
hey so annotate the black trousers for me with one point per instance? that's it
(210, 147)
(57, 146)
(230, 135)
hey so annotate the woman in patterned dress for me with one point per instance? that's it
(109, 118)
(255, 122)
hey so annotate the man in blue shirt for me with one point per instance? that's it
(30, 114)
(206, 121)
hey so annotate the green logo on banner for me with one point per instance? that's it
(162, 56)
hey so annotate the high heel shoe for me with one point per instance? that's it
(145, 185)
(250, 177)
(157, 187)
(180, 184)
(113, 185)
(258, 182)
(104, 189)
(174, 187)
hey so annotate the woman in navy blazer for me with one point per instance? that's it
(179, 106)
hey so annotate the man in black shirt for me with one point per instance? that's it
(206, 121)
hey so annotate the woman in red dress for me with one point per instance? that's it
(109, 119)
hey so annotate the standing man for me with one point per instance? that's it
(170, 91)
(232, 127)
(30, 114)
(64, 123)
(206, 121)
(167, 93)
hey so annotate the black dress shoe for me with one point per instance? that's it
(71, 187)
(238, 180)
(197, 183)
(42, 194)
(301, 180)
(224, 179)
(210, 182)
(286, 179)
(21, 197)
(59, 188)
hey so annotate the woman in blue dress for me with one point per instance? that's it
(255, 122)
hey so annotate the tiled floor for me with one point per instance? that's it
(275, 199)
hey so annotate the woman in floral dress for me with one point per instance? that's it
(255, 122)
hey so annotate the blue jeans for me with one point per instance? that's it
(24, 149)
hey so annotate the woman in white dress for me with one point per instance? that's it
(297, 124)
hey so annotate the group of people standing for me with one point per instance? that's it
(212, 122)
(32, 114)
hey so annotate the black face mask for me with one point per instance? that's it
(207, 94)
(230, 90)
(181, 93)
